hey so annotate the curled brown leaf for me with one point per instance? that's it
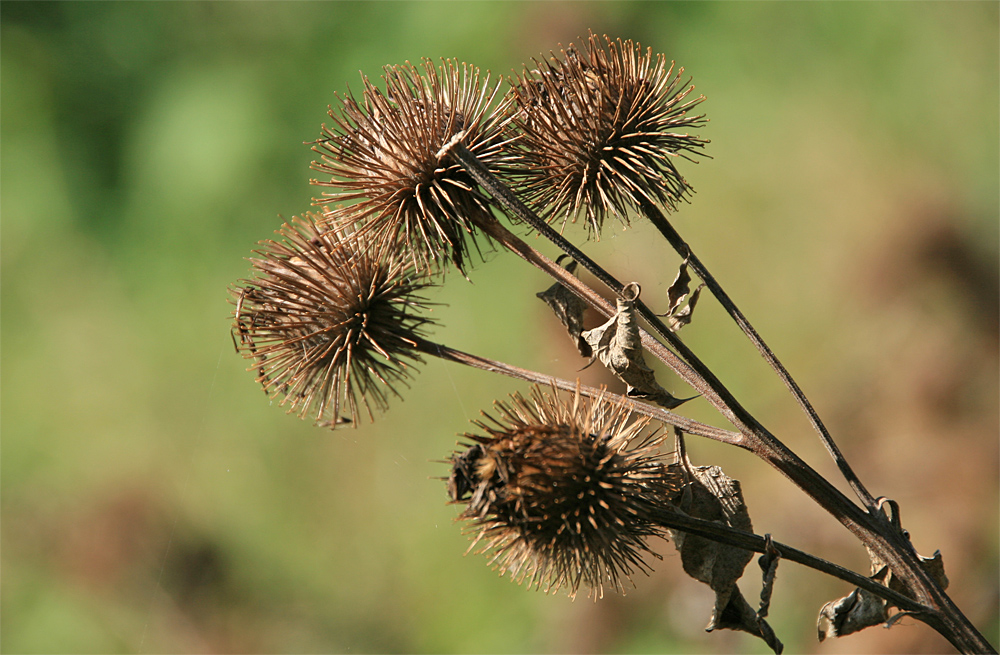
(710, 494)
(618, 345)
(677, 312)
(569, 309)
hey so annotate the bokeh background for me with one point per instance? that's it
(153, 499)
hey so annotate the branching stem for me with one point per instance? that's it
(713, 530)
(874, 531)
(721, 533)
(656, 217)
(672, 519)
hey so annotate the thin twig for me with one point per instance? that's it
(672, 519)
(656, 217)
(756, 438)
(689, 426)
(721, 533)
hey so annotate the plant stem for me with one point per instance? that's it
(691, 370)
(689, 426)
(656, 217)
(669, 518)
(871, 528)
(721, 533)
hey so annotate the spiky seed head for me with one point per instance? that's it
(329, 321)
(563, 491)
(601, 129)
(381, 154)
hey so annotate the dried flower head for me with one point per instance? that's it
(382, 156)
(600, 131)
(329, 321)
(563, 491)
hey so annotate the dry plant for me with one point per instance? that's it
(565, 487)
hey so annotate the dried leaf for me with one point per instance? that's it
(569, 309)
(712, 495)
(679, 288)
(618, 345)
(935, 567)
(678, 291)
(684, 316)
(862, 609)
(769, 565)
(858, 610)
(738, 615)
(932, 565)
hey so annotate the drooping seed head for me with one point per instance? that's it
(601, 129)
(329, 321)
(563, 492)
(382, 157)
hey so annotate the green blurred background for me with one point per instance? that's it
(154, 500)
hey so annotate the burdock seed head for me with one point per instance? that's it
(601, 128)
(329, 321)
(381, 153)
(564, 492)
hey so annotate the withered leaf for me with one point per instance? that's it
(738, 615)
(769, 565)
(712, 495)
(678, 291)
(617, 344)
(569, 309)
(858, 610)
(684, 316)
(679, 288)
(862, 609)
(934, 565)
